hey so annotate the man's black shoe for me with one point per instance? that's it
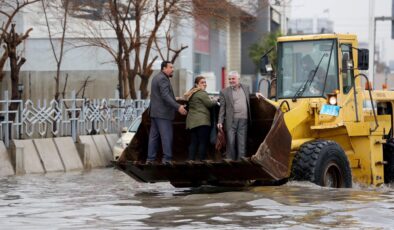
(149, 162)
(167, 162)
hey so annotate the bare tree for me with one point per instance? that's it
(127, 19)
(160, 13)
(143, 29)
(117, 18)
(58, 6)
(8, 10)
(114, 14)
(10, 40)
(166, 51)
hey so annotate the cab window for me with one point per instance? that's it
(307, 68)
(347, 72)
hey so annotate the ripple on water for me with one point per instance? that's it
(107, 198)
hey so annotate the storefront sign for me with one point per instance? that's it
(201, 38)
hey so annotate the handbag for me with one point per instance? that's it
(220, 141)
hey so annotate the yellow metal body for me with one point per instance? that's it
(355, 134)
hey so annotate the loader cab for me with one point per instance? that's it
(307, 69)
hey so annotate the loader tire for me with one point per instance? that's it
(324, 163)
(388, 156)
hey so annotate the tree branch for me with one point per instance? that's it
(159, 50)
(49, 32)
(24, 36)
(177, 52)
(21, 62)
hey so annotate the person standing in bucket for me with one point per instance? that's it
(234, 113)
(198, 119)
(163, 106)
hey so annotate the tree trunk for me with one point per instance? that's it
(120, 78)
(126, 92)
(131, 78)
(13, 39)
(57, 88)
(15, 69)
(144, 87)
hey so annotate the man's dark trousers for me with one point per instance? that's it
(160, 129)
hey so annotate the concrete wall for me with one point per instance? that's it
(6, 168)
(68, 153)
(90, 150)
(49, 155)
(39, 56)
(26, 158)
(40, 85)
(56, 154)
(103, 149)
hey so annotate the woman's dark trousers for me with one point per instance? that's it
(199, 142)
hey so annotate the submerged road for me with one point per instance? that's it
(108, 199)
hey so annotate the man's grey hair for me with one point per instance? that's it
(233, 74)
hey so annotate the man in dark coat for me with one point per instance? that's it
(234, 113)
(163, 106)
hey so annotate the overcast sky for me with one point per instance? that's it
(350, 16)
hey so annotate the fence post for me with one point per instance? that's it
(119, 116)
(20, 114)
(73, 116)
(6, 120)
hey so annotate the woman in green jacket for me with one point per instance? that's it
(198, 118)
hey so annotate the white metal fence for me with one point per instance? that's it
(66, 117)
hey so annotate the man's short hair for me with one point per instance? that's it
(164, 64)
(233, 73)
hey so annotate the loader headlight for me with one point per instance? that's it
(332, 99)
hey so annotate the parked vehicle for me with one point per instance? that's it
(126, 137)
(318, 124)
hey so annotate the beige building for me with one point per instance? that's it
(216, 46)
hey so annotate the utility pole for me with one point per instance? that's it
(284, 18)
(371, 39)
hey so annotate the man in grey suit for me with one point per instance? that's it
(234, 113)
(163, 106)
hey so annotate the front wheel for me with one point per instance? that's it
(323, 163)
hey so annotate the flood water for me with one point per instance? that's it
(108, 199)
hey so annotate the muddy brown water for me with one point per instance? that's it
(108, 199)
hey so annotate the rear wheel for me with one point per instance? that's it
(323, 163)
(388, 156)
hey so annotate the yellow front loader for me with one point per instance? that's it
(340, 131)
(316, 124)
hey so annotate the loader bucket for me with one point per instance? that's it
(267, 160)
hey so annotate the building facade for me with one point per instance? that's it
(216, 45)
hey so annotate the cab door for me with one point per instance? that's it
(347, 81)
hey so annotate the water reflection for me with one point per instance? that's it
(107, 198)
